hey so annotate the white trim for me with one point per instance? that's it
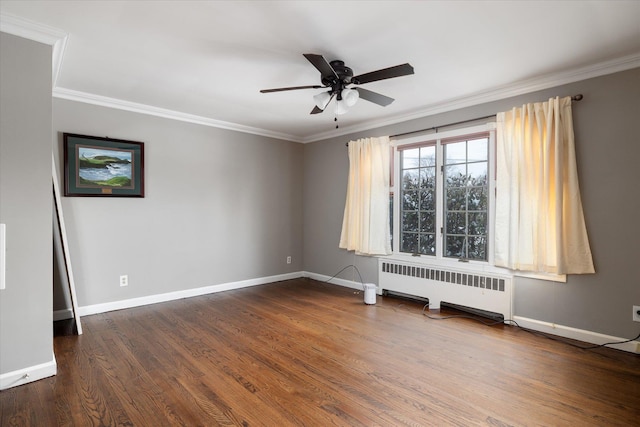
(58, 39)
(40, 33)
(64, 314)
(536, 325)
(31, 30)
(28, 374)
(119, 104)
(577, 334)
(88, 310)
(561, 278)
(337, 281)
(436, 139)
(62, 230)
(495, 94)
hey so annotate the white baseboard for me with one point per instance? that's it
(577, 334)
(337, 281)
(88, 310)
(29, 374)
(536, 325)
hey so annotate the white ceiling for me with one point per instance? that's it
(205, 61)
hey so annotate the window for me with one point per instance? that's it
(418, 207)
(443, 196)
(466, 187)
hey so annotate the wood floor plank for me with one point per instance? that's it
(306, 353)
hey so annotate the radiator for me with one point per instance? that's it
(480, 291)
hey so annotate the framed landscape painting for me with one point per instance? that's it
(95, 166)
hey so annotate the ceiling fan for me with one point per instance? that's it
(337, 76)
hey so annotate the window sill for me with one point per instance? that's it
(561, 278)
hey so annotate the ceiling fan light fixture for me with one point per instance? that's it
(322, 99)
(347, 99)
(350, 96)
(337, 76)
(341, 107)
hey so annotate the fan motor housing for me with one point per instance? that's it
(343, 72)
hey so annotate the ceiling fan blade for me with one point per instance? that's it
(385, 73)
(374, 97)
(321, 64)
(280, 89)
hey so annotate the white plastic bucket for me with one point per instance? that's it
(369, 293)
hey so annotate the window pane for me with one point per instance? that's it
(456, 223)
(409, 221)
(477, 173)
(478, 199)
(428, 244)
(477, 223)
(428, 177)
(427, 221)
(428, 156)
(456, 199)
(428, 200)
(477, 248)
(455, 153)
(455, 176)
(455, 247)
(409, 243)
(410, 201)
(410, 179)
(478, 150)
(410, 158)
(465, 210)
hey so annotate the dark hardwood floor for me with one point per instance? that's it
(304, 353)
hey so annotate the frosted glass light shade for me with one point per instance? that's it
(322, 99)
(350, 96)
(349, 99)
(341, 107)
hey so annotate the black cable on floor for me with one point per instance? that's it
(350, 265)
(531, 331)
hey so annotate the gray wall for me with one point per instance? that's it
(26, 337)
(219, 207)
(607, 155)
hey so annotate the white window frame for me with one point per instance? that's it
(440, 260)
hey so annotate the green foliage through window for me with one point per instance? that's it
(464, 201)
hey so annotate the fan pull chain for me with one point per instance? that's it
(335, 119)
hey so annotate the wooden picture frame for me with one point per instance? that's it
(102, 167)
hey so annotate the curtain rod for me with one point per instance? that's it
(577, 97)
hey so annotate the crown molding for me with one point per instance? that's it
(134, 107)
(40, 33)
(501, 92)
(58, 40)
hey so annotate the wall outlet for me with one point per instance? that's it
(288, 260)
(636, 313)
(124, 280)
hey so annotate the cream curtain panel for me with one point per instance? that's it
(539, 219)
(365, 227)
